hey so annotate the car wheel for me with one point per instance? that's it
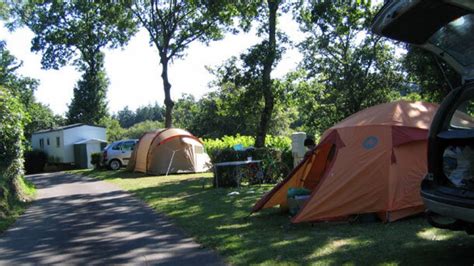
(115, 164)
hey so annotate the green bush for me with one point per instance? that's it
(277, 159)
(275, 142)
(12, 123)
(35, 161)
(96, 160)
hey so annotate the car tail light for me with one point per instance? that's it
(105, 155)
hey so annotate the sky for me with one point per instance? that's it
(134, 70)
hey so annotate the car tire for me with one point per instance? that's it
(115, 165)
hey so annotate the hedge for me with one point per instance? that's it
(11, 152)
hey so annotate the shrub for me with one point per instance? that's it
(277, 159)
(275, 142)
(96, 159)
(12, 120)
(35, 161)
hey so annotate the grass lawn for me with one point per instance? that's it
(221, 222)
(15, 207)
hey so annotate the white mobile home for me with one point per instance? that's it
(59, 142)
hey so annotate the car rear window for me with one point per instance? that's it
(463, 117)
(457, 39)
(128, 146)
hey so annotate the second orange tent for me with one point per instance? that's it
(371, 162)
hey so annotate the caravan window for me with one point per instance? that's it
(58, 142)
(41, 143)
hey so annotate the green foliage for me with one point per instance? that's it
(275, 161)
(128, 118)
(413, 96)
(96, 160)
(11, 129)
(276, 142)
(350, 68)
(4, 10)
(113, 129)
(250, 78)
(236, 103)
(89, 103)
(11, 155)
(185, 112)
(137, 130)
(174, 25)
(13, 119)
(424, 72)
(75, 32)
(21, 87)
(35, 161)
(125, 117)
(15, 193)
(41, 117)
(273, 168)
(116, 132)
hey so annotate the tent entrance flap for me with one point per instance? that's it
(306, 175)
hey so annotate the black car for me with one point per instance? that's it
(446, 28)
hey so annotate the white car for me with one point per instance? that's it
(118, 153)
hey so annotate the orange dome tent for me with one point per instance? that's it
(371, 162)
(170, 150)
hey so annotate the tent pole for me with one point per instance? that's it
(171, 161)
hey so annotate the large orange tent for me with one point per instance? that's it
(371, 162)
(170, 150)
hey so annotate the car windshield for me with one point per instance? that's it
(457, 39)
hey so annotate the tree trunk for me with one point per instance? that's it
(167, 87)
(266, 79)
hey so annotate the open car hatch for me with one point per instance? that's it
(444, 27)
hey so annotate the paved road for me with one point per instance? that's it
(78, 220)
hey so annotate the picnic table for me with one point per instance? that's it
(239, 169)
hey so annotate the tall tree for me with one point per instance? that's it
(89, 103)
(174, 24)
(75, 32)
(348, 67)
(125, 117)
(234, 106)
(270, 48)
